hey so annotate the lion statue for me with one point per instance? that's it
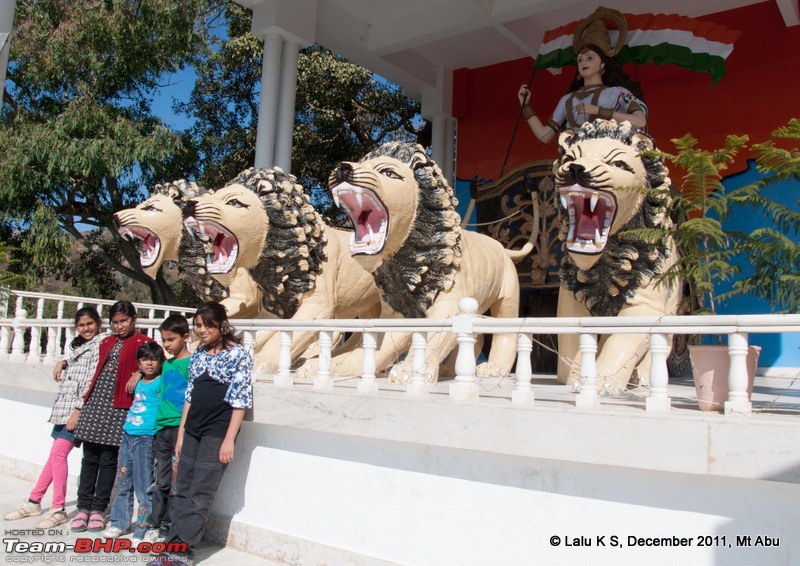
(408, 237)
(158, 224)
(610, 183)
(268, 246)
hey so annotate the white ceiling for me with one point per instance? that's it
(417, 43)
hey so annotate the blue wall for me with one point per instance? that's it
(778, 350)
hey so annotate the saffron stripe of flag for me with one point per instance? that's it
(660, 38)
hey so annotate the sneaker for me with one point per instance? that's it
(54, 518)
(151, 536)
(112, 532)
(26, 509)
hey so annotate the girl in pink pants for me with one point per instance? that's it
(74, 376)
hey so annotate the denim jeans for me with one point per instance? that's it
(134, 476)
(199, 474)
(98, 469)
(161, 492)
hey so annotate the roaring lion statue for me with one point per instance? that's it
(271, 250)
(408, 237)
(609, 184)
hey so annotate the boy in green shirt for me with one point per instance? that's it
(174, 379)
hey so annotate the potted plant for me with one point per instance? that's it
(707, 253)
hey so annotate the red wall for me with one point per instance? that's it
(760, 93)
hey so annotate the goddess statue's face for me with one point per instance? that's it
(589, 64)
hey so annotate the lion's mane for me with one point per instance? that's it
(294, 247)
(430, 256)
(628, 261)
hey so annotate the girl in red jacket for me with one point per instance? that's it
(103, 413)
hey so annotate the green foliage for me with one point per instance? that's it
(774, 252)
(78, 134)
(706, 250)
(46, 244)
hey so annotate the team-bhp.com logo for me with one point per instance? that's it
(91, 545)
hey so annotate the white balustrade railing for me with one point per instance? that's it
(47, 340)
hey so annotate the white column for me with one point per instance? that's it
(368, 384)
(449, 164)
(522, 392)
(323, 378)
(465, 385)
(659, 375)
(283, 378)
(268, 100)
(587, 396)
(738, 401)
(6, 26)
(35, 347)
(286, 98)
(419, 383)
(19, 325)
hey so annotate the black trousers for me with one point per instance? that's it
(98, 472)
(161, 492)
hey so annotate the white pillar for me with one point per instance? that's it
(738, 402)
(522, 392)
(587, 396)
(368, 384)
(268, 100)
(465, 385)
(659, 376)
(449, 164)
(6, 26)
(283, 378)
(419, 384)
(323, 378)
(286, 98)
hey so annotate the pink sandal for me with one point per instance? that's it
(97, 522)
(78, 523)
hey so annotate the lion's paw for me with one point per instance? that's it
(486, 370)
(402, 375)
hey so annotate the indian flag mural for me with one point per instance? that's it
(660, 38)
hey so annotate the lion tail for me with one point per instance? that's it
(518, 255)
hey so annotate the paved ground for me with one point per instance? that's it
(13, 490)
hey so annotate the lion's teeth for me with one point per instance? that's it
(359, 199)
(571, 235)
(336, 200)
(352, 238)
(597, 240)
(593, 202)
(564, 202)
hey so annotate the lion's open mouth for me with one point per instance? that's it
(151, 245)
(591, 214)
(224, 244)
(369, 215)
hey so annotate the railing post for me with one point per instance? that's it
(368, 384)
(522, 392)
(587, 395)
(283, 377)
(659, 375)
(35, 349)
(465, 385)
(323, 378)
(18, 324)
(738, 401)
(248, 341)
(151, 315)
(61, 351)
(419, 384)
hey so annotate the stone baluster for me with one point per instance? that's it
(247, 341)
(61, 350)
(151, 315)
(368, 384)
(284, 377)
(19, 325)
(53, 336)
(419, 384)
(738, 400)
(35, 348)
(659, 376)
(587, 396)
(465, 385)
(323, 378)
(522, 392)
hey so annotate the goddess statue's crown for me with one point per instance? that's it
(593, 31)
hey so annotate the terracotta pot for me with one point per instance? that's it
(710, 366)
